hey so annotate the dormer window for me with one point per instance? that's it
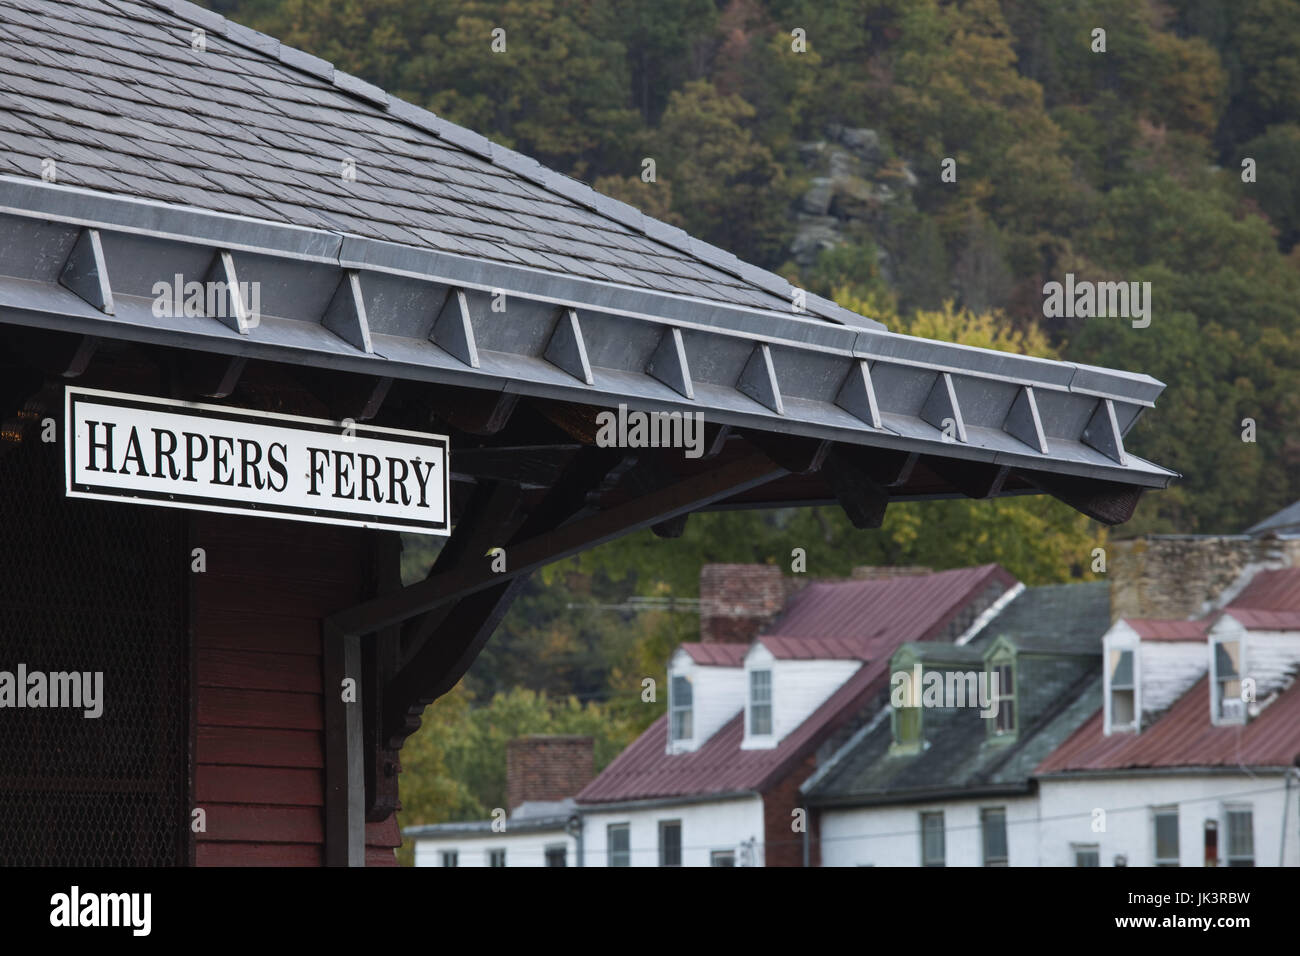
(1002, 667)
(1122, 688)
(907, 728)
(680, 704)
(1228, 705)
(760, 703)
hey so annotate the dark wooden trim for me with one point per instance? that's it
(685, 495)
(189, 590)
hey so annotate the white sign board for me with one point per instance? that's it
(213, 458)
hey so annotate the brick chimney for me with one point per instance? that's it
(738, 600)
(1187, 576)
(547, 767)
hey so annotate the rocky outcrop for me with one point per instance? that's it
(855, 181)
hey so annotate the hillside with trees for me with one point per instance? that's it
(812, 137)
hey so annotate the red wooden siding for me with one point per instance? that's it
(259, 747)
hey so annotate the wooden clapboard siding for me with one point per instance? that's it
(259, 854)
(259, 747)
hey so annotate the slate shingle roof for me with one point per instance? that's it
(959, 756)
(113, 91)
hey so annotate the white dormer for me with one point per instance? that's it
(782, 692)
(702, 697)
(1147, 666)
(1252, 655)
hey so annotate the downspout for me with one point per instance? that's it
(575, 831)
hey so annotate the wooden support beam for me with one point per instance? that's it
(473, 411)
(795, 454)
(974, 479)
(687, 494)
(440, 645)
(863, 500)
(532, 466)
(207, 374)
(359, 397)
(1109, 502)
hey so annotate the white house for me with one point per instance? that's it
(754, 705)
(536, 834)
(1207, 778)
(949, 783)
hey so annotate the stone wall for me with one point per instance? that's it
(1184, 577)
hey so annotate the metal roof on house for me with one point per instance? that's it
(911, 610)
(958, 756)
(1286, 521)
(227, 162)
(1276, 590)
(1160, 629)
(716, 655)
(1185, 737)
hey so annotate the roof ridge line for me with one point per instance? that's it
(518, 163)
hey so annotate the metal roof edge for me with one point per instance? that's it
(650, 803)
(1180, 771)
(924, 795)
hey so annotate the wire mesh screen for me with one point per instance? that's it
(89, 589)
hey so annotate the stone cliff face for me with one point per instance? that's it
(855, 182)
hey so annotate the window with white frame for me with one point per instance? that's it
(760, 703)
(557, 855)
(617, 847)
(450, 858)
(1227, 681)
(679, 702)
(1165, 825)
(722, 858)
(1122, 688)
(932, 838)
(1086, 854)
(1241, 836)
(496, 857)
(993, 829)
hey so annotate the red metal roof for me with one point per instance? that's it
(1256, 620)
(813, 648)
(1271, 591)
(874, 615)
(1155, 629)
(1184, 737)
(717, 655)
